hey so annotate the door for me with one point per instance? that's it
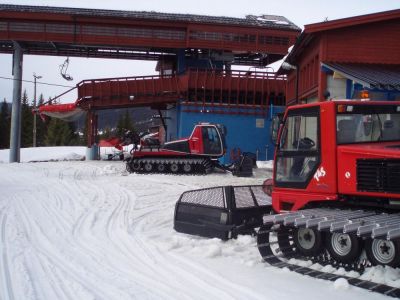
(212, 142)
(298, 150)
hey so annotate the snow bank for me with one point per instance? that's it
(46, 154)
(269, 164)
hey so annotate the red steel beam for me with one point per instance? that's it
(89, 31)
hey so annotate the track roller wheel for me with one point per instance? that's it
(187, 168)
(383, 252)
(343, 247)
(174, 168)
(135, 166)
(148, 167)
(308, 241)
(161, 168)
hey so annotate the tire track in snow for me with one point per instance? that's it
(6, 282)
(45, 285)
(111, 235)
(144, 280)
(217, 286)
(144, 274)
(137, 255)
(46, 249)
(43, 243)
(43, 204)
(165, 267)
(181, 265)
(113, 228)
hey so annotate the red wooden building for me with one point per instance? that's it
(347, 58)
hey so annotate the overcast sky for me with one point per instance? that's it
(299, 12)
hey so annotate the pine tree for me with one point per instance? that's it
(41, 127)
(5, 123)
(60, 133)
(106, 133)
(41, 100)
(120, 126)
(124, 124)
(84, 140)
(26, 122)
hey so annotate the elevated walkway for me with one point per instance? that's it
(194, 88)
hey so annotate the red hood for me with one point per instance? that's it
(387, 149)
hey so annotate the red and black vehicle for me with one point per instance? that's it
(336, 188)
(335, 193)
(197, 154)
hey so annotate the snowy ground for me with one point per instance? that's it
(83, 230)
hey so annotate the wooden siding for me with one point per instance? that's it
(309, 68)
(370, 43)
(373, 43)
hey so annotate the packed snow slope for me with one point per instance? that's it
(87, 230)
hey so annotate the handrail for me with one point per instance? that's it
(116, 79)
(251, 88)
(56, 97)
(233, 73)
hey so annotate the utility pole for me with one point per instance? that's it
(15, 132)
(35, 77)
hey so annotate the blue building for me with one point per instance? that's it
(248, 130)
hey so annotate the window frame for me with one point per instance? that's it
(305, 112)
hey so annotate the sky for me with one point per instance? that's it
(299, 12)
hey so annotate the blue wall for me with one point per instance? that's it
(171, 119)
(242, 131)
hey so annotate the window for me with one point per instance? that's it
(365, 124)
(298, 150)
(3, 26)
(211, 141)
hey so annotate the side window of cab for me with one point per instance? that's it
(298, 151)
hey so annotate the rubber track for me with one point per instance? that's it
(199, 165)
(289, 252)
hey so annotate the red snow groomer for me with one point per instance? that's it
(197, 154)
(336, 190)
(335, 193)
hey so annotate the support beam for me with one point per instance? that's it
(162, 120)
(92, 147)
(91, 128)
(15, 133)
(163, 124)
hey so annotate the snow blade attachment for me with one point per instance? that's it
(222, 212)
(243, 167)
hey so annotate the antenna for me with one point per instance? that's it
(63, 70)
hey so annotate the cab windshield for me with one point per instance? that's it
(367, 123)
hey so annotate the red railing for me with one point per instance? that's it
(130, 91)
(235, 88)
(196, 88)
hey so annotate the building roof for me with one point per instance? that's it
(264, 21)
(385, 77)
(311, 30)
(352, 21)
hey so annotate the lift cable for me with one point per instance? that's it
(38, 82)
(45, 83)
